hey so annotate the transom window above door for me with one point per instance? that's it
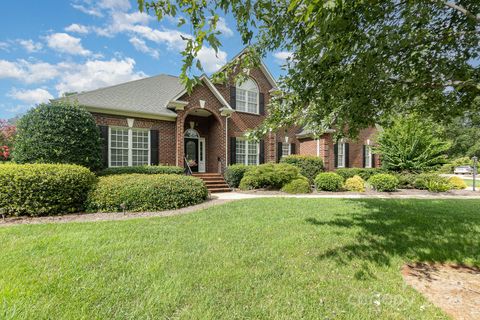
(247, 96)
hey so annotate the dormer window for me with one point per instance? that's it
(247, 96)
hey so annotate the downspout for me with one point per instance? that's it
(318, 148)
(226, 139)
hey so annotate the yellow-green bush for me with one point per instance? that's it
(43, 189)
(355, 183)
(297, 185)
(384, 182)
(143, 192)
(457, 183)
(328, 181)
(269, 175)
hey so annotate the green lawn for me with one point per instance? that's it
(263, 258)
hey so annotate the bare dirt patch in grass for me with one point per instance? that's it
(454, 289)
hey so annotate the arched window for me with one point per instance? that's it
(247, 96)
(191, 133)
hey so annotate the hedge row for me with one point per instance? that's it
(48, 189)
(138, 192)
(309, 166)
(141, 170)
(43, 189)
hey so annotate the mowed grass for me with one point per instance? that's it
(261, 259)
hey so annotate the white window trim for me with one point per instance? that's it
(342, 144)
(368, 149)
(130, 145)
(237, 87)
(289, 149)
(246, 150)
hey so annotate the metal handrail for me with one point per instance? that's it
(188, 170)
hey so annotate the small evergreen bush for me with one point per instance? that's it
(383, 182)
(142, 170)
(43, 189)
(355, 183)
(364, 173)
(297, 185)
(58, 133)
(423, 180)
(329, 181)
(406, 180)
(309, 166)
(269, 175)
(140, 192)
(234, 174)
(457, 183)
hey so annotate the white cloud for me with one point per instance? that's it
(10, 70)
(34, 96)
(88, 10)
(65, 43)
(211, 62)
(96, 74)
(122, 5)
(4, 46)
(30, 45)
(77, 28)
(223, 27)
(141, 46)
(28, 72)
(282, 56)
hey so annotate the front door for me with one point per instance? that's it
(201, 154)
(191, 153)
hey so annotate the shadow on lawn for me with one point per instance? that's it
(415, 230)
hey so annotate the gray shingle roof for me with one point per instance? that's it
(148, 95)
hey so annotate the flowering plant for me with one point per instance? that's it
(192, 163)
(4, 152)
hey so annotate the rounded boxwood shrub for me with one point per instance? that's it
(355, 183)
(58, 133)
(269, 175)
(142, 170)
(457, 183)
(383, 182)
(309, 166)
(43, 189)
(234, 174)
(140, 192)
(297, 185)
(329, 181)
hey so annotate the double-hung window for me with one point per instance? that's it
(247, 152)
(247, 97)
(129, 147)
(368, 156)
(286, 149)
(341, 154)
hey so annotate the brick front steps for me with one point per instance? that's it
(214, 182)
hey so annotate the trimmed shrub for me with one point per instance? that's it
(457, 183)
(424, 180)
(438, 185)
(58, 133)
(297, 185)
(355, 183)
(140, 192)
(364, 173)
(234, 174)
(43, 189)
(383, 182)
(406, 180)
(269, 175)
(328, 181)
(310, 166)
(142, 170)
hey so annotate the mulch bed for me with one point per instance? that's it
(454, 289)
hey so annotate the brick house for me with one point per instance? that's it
(155, 121)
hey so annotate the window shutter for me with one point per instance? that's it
(292, 148)
(347, 156)
(364, 156)
(261, 99)
(279, 151)
(233, 150)
(154, 142)
(335, 154)
(373, 161)
(233, 97)
(262, 152)
(104, 136)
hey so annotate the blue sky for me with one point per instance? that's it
(54, 46)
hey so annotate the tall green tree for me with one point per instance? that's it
(465, 135)
(412, 144)
(352, 61)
